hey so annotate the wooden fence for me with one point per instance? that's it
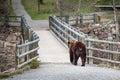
(81, 18)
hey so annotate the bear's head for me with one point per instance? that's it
(70, 44)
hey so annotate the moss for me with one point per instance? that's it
(18, 71)
(102, 65)
(34, 64)
(6, 75)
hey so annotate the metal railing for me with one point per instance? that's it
(27, 51)
(64, 33)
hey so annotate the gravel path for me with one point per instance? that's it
(55, 65)
(68, 72)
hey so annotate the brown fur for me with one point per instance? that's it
(77, 49)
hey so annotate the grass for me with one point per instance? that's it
(31, 6)
(49, 7)
(87, 6)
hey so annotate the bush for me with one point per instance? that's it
(34, 64)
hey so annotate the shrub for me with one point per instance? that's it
(34, 64)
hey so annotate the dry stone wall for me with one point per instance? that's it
(9, 37)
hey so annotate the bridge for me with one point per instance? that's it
(54, 58)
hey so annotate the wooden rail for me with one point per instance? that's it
(107, 7)
(81, 18)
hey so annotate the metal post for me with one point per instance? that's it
(50, 22)
(90, 52)
(111, 49)
(16, 56)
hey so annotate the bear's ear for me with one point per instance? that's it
(69, 44)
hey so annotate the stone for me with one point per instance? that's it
(1, 43)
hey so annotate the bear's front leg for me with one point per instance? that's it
(71, 58)
(75, 59)
(83, 59)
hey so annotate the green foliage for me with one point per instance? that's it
(34, 64)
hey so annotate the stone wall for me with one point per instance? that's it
(9, 37)
(7, 56)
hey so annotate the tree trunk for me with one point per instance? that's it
(41, 1)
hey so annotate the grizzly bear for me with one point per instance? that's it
(77, 49)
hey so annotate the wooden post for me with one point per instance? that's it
(67, 18)
(95, 18)
(81, 19)
(98, 18)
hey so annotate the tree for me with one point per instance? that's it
(78, 11)
(66, 6)
(59, 6)
(116, 20)
(4, 10)
(41, 1)
(3, 7)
